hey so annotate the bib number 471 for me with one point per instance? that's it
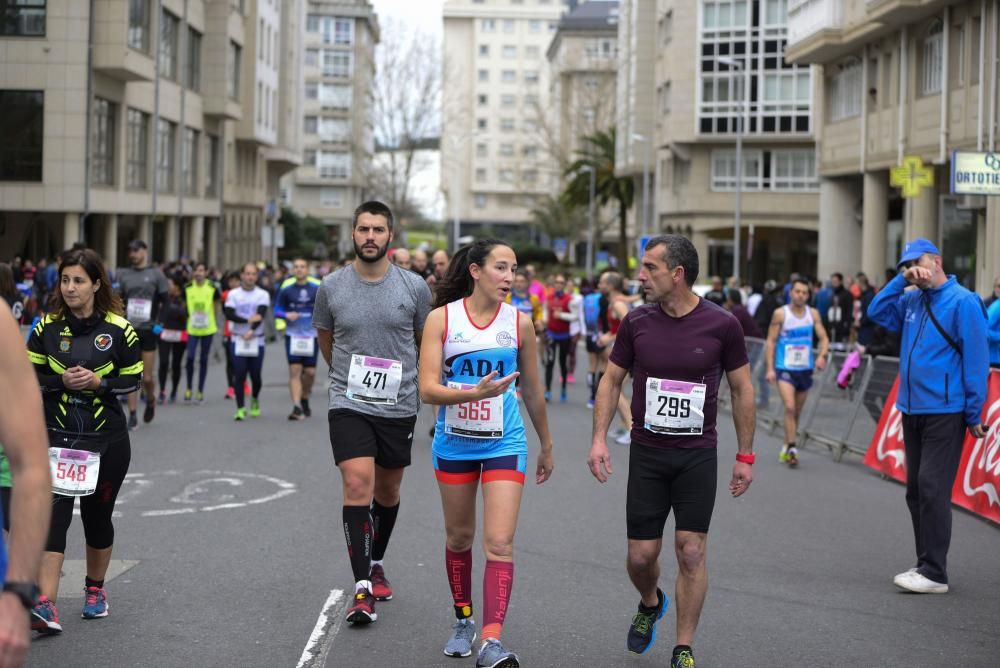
(374, 380)
(674, 407)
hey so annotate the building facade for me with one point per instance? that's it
(902, 79)
(693, 78)
(496, 133)
(338, 55)
(140, 136)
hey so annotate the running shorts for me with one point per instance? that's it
(388, 440)
(664, 479)
(462, 471)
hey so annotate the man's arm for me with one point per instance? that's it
(325, 339)
(975, 357)
(993, 323)
(22, 431)
(824, 340)
(887, 307)
(773, 330)
(605, 405)
(744, 409)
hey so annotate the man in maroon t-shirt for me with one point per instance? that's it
(677, 347)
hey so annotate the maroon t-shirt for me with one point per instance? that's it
(696, 348)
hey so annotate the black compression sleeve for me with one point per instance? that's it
(232, 317)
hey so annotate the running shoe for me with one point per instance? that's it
(162, 399)
(363, 609)
(682, 658)
(624, 439)
(241, 414)
(562, 397)
(173, 398)
(200, 398)
(254, 408)
(570, 379)
(913, 581)
(590, 403)
(463, 634)
(493, 655)
(133, 422)
(305, 408)
(147, 415)
(783, 455)
(95, 602)
(548, 396)
(45, 617)
(381, 589)
(230, 393)
(296, 414)
(793, 457)
(642, 632)
(187, 395)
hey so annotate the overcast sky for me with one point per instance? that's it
(426, 13)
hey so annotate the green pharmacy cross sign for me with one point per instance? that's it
(911, 176)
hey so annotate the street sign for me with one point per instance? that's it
(975, 173)
(911, 176)
(559, 247)
(641, 243)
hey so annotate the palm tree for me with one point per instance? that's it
(598, 154)
(557, 217)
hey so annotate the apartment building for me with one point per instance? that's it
(153, 133)
(338, 55)
(902, 79)
(692, 76)
(495, 155)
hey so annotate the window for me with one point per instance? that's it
(508, 76)
(335, 96)
(532, 52)
(166, 133)
(481, 124)
(484, 75)
(530, 99)
(331, 198)
(192, 68)
(343, 31)
(667, 27)
(845, 91)
(138, 25)
(309, 157)
(974, 56)
(235, 53)
(724, 170)
(21, 134)
(310, 125)
(137, 147)
(484, 49)
(723, 14)
(333, 165)
(509, 51)
(169, 25)
(529, 151)
(958, 57)
(312, 90)
(534, 25)
(506, 124)
(530, 175)
(312, 23)
(482, 150)
(665, 98)
(506, 176)
(480, 175)
(260, 41)
(337, 63)
(212, 168)
(509, 25)
(102, 158)
(22, 18)
(189, 161)
(506, 150)
(312, 57)
(488, 25)
(794, 170)
(334, 129)
(531, 76)
(932, 57)
(479, 201)
(482, 100)
(508, 101)
(600, 48)
(776, 12)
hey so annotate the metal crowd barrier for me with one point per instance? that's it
(843, 419)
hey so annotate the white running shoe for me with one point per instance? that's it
(913, 581)
(624, 439)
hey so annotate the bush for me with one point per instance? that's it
(531, 254)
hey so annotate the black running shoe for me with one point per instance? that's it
(147, 415)
(305, 408)
(682, 658)
(642, 632)
(133, 422)
(296, 414)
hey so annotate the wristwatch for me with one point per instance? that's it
(26, 591)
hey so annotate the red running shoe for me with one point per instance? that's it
(230, 393)
(381, 589)
(362, 611)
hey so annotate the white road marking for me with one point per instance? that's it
(321, 639)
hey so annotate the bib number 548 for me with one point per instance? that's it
(70, 471)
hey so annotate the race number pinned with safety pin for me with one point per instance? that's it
(474, 419)
(797, 356)
(302, 346)
(74, 472)
(199, 320)
(674, 407)
(246, 347)
(374, 380)
(139, 310)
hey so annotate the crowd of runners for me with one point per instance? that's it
(476, 337)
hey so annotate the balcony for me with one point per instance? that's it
(122, 52)
(823, 30)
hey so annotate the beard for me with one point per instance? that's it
(382, 250)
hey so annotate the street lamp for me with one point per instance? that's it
(590, 221)
(737, 64)
(645, 182)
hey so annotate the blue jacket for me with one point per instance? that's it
(933, 378)
(993, 329)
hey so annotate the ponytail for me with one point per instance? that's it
(457, 282)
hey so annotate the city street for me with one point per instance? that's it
(229, 545)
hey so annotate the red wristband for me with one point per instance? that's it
(746, 459)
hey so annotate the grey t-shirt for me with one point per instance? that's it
(146, 283)
(376, 319)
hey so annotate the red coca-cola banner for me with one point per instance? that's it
(977, 485)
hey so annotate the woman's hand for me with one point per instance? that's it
(488, 388)
(545, 465)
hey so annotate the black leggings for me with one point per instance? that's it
(95, 509)
(230, 373)
(206, 347)
(552, 346)
(171, 355)
(243, 366)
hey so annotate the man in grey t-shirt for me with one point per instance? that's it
(368, 317)
(143, 288)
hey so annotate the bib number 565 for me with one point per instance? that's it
(674, 407)
(474, 410)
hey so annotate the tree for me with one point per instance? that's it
(303, 235)
(598, 154)
(558, 217)
(406, 113)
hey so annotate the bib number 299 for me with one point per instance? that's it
(674, 407)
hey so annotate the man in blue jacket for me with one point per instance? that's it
(943, 367)
(993, 314)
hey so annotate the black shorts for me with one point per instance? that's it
(388, 440)
(593, 346)
(661, 479)
(148, 342)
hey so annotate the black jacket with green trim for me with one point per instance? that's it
(106, 345)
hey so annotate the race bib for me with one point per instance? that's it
(796, 356)
(171, 335)
(302, 346)
(139, 310)
(199, 320)
(374, 380)
(246, 348)
(475, 419)
(674, 408)
(74, 472)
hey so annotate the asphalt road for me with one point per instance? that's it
(229, 546)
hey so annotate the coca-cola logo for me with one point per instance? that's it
(982, 471)
(890, 441)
